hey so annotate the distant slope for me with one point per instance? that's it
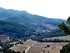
(60, 38)
(40, 23)
(14, 30)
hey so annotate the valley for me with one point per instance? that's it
(30, 33)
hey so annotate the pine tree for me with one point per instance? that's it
(65, 27)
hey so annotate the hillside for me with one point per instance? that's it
(14, 30)
(40, 23)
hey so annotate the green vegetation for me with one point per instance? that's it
(22, 25)
(10, 51)
(55, 33)
(17, 31)
(14, 30)
(66, 29)
(66, 49)
(5, 48)
(36, 22)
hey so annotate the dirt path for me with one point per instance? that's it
(29, 47)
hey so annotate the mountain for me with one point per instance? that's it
(39, 23)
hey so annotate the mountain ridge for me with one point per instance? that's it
(37, 22)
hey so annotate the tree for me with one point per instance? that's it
(65, 27)
(65, 49)
(68, 20)
(48, 46)
(23, 51)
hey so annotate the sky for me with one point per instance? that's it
(48, 8)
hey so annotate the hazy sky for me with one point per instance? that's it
(48, 8)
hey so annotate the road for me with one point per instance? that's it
(29, 47)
